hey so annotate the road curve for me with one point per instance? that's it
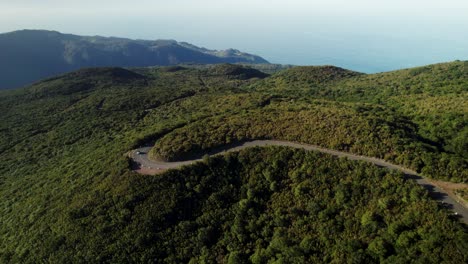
(144, 165)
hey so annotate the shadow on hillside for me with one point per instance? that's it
(134, 166)
(431, 189)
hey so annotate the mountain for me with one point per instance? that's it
(70, 193)
(30, 55)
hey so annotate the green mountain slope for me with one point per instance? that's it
(30, 55)
(419, 121)
(68, 194)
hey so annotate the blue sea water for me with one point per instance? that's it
(363, 35)
(360, 46)
(368, 54)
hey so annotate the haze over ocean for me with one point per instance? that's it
(362, 35)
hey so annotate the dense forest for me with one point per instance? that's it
(396, 116)
(69, 195)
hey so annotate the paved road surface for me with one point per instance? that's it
(147, 166)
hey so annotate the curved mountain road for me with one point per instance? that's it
(144, 165)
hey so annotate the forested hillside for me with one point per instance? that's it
(417, 117)
(27, 56)
(69, 195)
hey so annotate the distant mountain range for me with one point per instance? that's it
(30, 55)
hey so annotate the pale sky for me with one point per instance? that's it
(364, 34)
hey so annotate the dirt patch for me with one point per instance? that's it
(148, 171)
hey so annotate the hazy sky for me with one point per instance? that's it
(366, 35)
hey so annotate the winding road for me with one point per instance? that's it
(144, 165)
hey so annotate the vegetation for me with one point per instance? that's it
(417, 126)
(68, 194)
(463, 194)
